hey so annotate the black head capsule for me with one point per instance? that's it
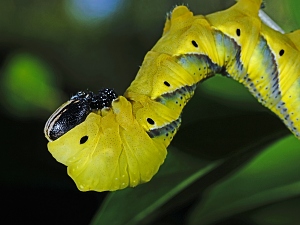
(69, 115)
(75, 111)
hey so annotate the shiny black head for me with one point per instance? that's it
(75, 111)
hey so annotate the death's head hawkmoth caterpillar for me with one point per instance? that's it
(110, 142)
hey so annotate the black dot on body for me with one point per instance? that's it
(195, 43)
(167, 84)
(238, 32)
(281, 52)
(150, 121)
(84, 139)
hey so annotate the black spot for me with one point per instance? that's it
(150, 121)
(167, 84)
(281, 52)
(238, 32)
(195, 43)
(84, 139)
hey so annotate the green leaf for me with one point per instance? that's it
(281, 213)
(135, 205)
(272, 176)
(292, 6)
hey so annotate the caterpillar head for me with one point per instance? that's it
(99, 139)
(75, 111)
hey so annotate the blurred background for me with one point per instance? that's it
(49, 50)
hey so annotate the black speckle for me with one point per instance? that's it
(84, 139)
(150, 121)
(195, 43)
(281, 52)
(167, 84)
(238, 32)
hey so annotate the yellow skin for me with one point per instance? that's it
(127, 142)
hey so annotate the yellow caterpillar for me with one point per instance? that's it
(110, 142)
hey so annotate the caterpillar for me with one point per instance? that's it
(109, 142)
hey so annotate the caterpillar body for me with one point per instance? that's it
(124, 142)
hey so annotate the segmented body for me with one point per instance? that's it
(125, 144)
(234, 43)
